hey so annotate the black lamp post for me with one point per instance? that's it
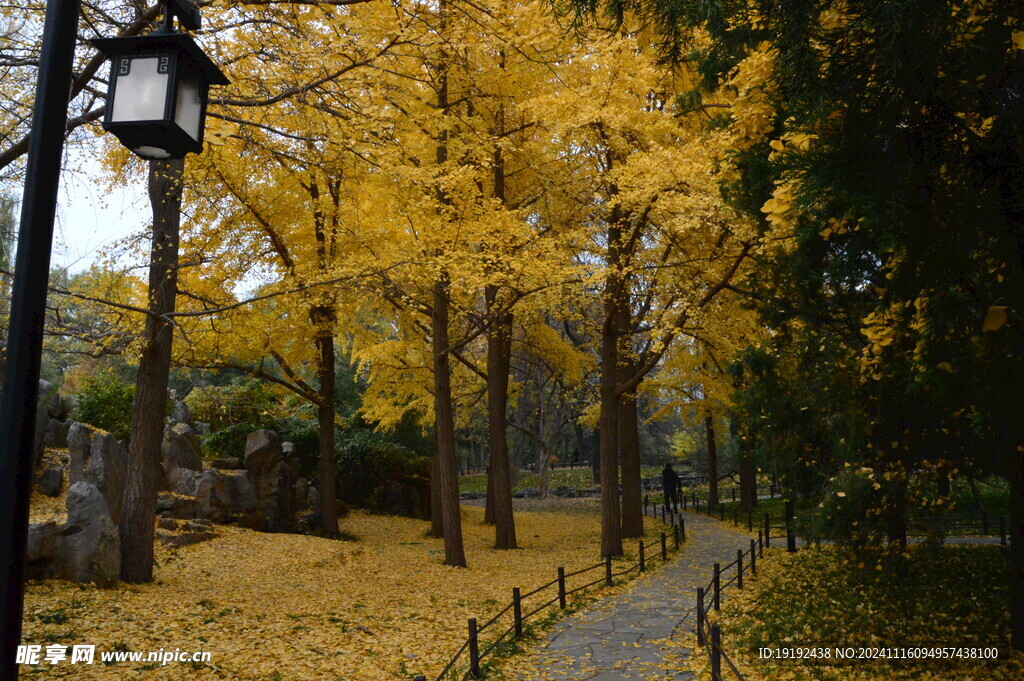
(186, 73)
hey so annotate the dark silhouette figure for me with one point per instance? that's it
(670, 484)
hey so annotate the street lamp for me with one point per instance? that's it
(159, 87)
(173, 131)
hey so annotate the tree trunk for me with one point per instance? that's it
(499, 360)
(1016, 531)
(323, 320)
(543, 451)
(748, 469)
(489, 499)
(748, 480)
(709, 426)
(629, 452)
(436, 518)
(611, 531)
(445, 423)
(139, 502)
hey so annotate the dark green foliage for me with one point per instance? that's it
(376, 472)
(249, 402)
(105, 401)
(229, 441)
(304, 434)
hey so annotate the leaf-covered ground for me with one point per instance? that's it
(950, 596)
(282, 607)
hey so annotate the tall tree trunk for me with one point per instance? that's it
(436, 516)
(611, 529)
(138, 507)
(748, 478)
(1016, 531)
(445, 423)
(499, 360)
(709, 427)
(489, 499)
(323, 320)
(543, 450)
(629, 452)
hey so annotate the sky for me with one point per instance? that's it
(91, 217)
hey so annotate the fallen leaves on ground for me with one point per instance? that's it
(284, 607)
(952, 596)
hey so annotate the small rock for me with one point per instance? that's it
(51, 481)
(227, 463)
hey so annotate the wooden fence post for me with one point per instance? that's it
(700, 615)
(1002, 530)
(474, 650)
(517, 611)
(753, 558)
(675, 535)
(767, 531)
(716, 653)
(643, 563)
(716, 599)
(682, 528)
(721, 510)
(608, 570)
(664, 547)
(561, 588)
(739, 568)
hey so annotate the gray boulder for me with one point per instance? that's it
(41, 560)
(301, 491)
(99, 459)
(56, 434)
(228, 463)
(224, 496)
(51, 481)
(275, 498)
(262, 451)
(171, 505)
(90, 548)
(181, 452)
(188, 482)
(202, 429)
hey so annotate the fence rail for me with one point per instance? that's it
(466, 663)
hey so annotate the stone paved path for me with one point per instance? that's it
(623, 637)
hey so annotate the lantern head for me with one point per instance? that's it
(158, 92)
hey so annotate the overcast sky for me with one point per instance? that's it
(90, 218)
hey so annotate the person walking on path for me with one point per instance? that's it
(670, 485)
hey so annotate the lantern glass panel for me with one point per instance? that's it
(188, 113)
(140, 93)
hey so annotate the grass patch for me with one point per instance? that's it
(949, 596)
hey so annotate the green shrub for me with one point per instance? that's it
(305, 435)
(231, 405)
(378, 473)
(228, 441)
(105, 401)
